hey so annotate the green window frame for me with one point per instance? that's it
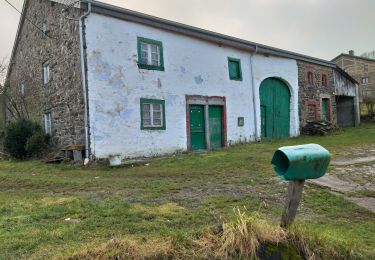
(148, 58)
(152, 114)
(234, 67)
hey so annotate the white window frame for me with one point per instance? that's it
(365, 81)
(47, 123)
(151, 114)
(149, 53)
(46, 72)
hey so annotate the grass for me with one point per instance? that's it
(168, 203)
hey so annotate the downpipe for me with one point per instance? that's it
(257, 137)
(84, 82)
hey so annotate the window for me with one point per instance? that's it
(234, 66)
(45, 27)
(22, 89)
(152, 114)
(365, 80)
(324, 80)
(365, 68)
(48, 123)
(241, 121)
(46, 72)
(150, 54)
(310, 78)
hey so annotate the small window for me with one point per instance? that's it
(365, 81)
(48, 123)
(45, 27)
(22, 89)
(365, 68)
(234, 66)
(241, 121)
(324, 80)
(46, 73)
(152, 114)
(310, 78)
(150, 54)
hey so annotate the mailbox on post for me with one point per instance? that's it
(297, 164)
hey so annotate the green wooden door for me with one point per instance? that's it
(274, 108)
(325, 109)
(216, 126)
(197, 128)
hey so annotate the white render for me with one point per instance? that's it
(287, 71)
(192, 67)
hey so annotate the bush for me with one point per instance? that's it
(24, 139)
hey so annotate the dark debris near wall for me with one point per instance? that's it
(318, 128)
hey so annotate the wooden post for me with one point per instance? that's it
(294, 197)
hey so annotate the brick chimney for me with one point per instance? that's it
(351, 53)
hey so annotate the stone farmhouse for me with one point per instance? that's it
(362, 69)
(127, 84)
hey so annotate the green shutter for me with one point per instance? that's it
(234, 67)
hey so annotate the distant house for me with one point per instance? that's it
(362, 69)
(129, 84)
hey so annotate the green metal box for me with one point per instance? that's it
(301, 162)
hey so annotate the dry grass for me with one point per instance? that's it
(241, 238)
(246, 237)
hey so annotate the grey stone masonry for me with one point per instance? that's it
(312, 94)
(62, 96)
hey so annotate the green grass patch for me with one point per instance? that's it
(173, 200)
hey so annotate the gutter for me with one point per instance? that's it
(187, 30)
(257, 137)
(84, 79)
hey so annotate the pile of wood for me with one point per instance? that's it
(317, 128)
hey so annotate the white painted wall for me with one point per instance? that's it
(192, 67)
(285, 70)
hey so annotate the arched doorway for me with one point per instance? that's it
(274, 108)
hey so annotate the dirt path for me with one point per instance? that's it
(353, 177)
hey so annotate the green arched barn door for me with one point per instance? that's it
(274, 108)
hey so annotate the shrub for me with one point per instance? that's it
(24, 139)
(36, 143)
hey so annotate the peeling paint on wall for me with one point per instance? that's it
(198, 79)
(116, 85)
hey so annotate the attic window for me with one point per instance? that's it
(150, 54)
(310, 78)
(365, 67)
(324, 80)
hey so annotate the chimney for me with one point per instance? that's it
(351, 53)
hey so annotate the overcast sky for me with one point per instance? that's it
(320, 28)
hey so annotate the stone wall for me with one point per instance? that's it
(311, 95)
(359, 68)
(62, 95)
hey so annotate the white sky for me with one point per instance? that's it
(320, 28)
